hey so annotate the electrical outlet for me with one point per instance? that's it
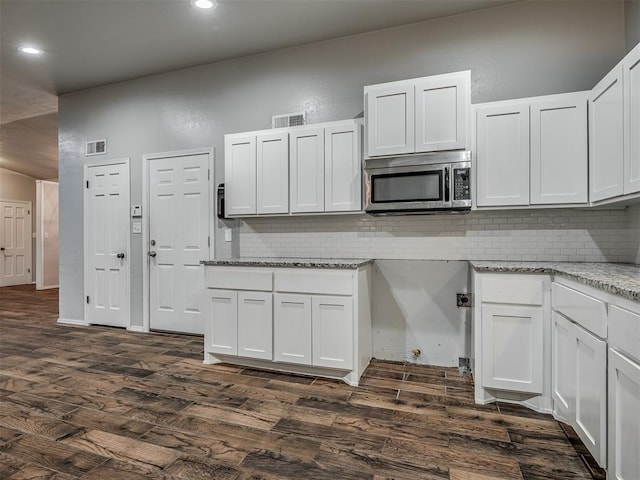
(463, 300)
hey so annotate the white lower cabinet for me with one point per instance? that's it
(563, 367)
(305, 320)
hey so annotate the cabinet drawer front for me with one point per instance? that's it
(506, 289)
(586, 311)
(317, 282)
(624, 331)
(238, 278)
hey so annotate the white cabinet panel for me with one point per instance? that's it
(563, 368)
(631, 66)
(624, 330)
(272, 172)
(332, 331)
(343, 168)
(583, 309)
(606, 138)
(292, 328)
(390, 119)
(559, 159)
(255, 325)
(512, 348)
(624, 417)
(502, 155)
(222, 329)
(240, 174)
(307, 169)
(442, 112)
(591, 393)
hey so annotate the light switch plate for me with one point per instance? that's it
(136, 210)
(136, 227)
(228, 235)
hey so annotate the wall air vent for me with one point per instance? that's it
(288, 120)
(95, 147)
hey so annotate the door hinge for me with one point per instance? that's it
(87, 183)
(28, 212)
(87, 298)
(209, 174)
(209, 241)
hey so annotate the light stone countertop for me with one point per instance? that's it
(336, 263)
(618, 278)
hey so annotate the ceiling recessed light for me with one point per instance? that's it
(204, 4)
(30, 50)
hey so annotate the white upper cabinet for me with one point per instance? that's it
(272, 166)
(240, 174)
(343, 167)
(419, 115)
(559, 146)
(502, 155)
(631, 81)
(606, 137)
(532, 151)
(307, 169)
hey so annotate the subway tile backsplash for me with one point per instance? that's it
(580, 235)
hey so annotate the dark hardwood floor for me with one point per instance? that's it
(103, 403)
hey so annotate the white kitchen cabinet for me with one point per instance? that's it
(222, 329)
(343, 167)
(307, 169)
(631, 82)
(606, 137)
(272, 167)
(292, 328)
(240, 174)
(563, 368)
(624, 417)
(332, 327)
(502, 155)
(255, 325)
(418, 115)
(532, 151)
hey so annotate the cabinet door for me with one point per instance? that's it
(502, 155)
(222, 329)
(559, 159)
(563, 368)
(255, 325)
(591, 393)
(292, 328)
(240, 174)
(442, 113)
(606, 138)
(307, 169)
(389, 119)
(272, 168)
(332, 331)
(624, 417)
(343, 168)
(512, 348)
(631, 65)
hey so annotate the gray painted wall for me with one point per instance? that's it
(520, 50)
(632, 23)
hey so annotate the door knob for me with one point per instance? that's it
(153, 242)
(1, 249)
(152, 254)
(120, 256)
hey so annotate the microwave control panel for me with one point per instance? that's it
(461, 184)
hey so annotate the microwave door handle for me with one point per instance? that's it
(446, 185)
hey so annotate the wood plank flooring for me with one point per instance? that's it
(103, 403)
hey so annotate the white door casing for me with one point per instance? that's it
(178, 222)
(107, 263)
(15, 243)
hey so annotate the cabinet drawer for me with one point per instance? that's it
(313, 281)
(624, 331)
(239, 278)
(506, 289)
(587, 311)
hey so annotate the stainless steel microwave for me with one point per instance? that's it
(431, 183)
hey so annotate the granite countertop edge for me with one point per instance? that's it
(618, 278)
(325, 263)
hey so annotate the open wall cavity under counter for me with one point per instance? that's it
(302, 316)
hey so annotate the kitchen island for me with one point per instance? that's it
(303, 316)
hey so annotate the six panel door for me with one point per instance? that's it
(15, 244)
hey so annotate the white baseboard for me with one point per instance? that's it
(47, 287)
(137, 329)
(71, 321)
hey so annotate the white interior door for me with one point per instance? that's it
(15, 243)
(178, 241)
(107, 244)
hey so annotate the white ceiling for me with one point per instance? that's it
(88, 43)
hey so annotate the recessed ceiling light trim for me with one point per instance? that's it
(204, 4)
(30, 50)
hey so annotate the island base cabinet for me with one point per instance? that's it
(255, 325)
(222, 328)
(563, 368)
(624, 417)
(332, 326)
(292, 328)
